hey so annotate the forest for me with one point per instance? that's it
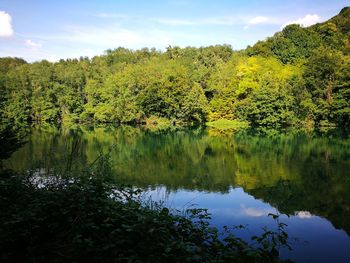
(76, 184)
(298, 77)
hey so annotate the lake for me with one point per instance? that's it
(240, 177)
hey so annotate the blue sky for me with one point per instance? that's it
(39, 29)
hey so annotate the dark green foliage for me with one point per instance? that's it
(342, 20)
(294, 43)
(11, 139)
(322, 74)
(88, 219)
(340, 108)
(341, 105)
(9, 63)
(270, 107)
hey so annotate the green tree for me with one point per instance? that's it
(321, 75)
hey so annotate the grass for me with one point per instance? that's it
(155, 123)
(224, 124)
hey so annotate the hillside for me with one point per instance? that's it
(295, 43)
(298, 77)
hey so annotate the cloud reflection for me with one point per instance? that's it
(256, 211)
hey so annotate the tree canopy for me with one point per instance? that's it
(299, 76)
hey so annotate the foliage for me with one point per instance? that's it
(154, 123)
(90, 219)
(299, 76)
(11, 139)
(304, 166)
(223, 124)
(270, 107)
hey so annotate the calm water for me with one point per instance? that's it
(240, 177)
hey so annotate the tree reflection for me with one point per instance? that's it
(292, 170)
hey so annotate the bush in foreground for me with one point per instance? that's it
(91, 220)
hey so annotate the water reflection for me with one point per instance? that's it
(239, 177)
(11, 139)
(317, 240)
(313, 238)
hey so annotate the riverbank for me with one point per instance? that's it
(90, 219)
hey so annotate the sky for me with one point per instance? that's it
(42, 29)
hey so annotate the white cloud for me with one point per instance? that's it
(305, 21)
(258, 20)
(32, 44)
(114, 36)
(101, 38)
(255, 211)
(303, 214)
(53, 58)
(5, 25)
(77, 40)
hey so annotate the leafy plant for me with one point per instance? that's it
(91, 219)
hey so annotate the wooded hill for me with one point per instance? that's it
(299, 76)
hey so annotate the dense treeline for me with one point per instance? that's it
(300, 76)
